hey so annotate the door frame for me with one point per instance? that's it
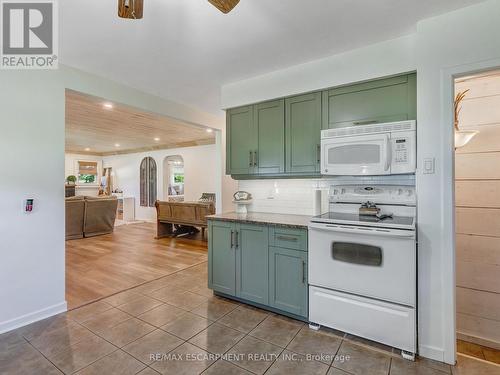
(448, 257)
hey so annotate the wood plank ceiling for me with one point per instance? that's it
(98, 127)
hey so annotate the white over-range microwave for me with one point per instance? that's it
(368, 150)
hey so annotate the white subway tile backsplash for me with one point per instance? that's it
(296, 196)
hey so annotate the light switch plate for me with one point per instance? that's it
(429, 165)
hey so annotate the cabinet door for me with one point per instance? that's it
(221, 257)
(288, 280)
(241, 141)
(269, 118)
(303, 133)
(252, 255)
(383, 100)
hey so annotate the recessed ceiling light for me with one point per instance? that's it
(117, 145)
(108, 105)
(209, 130)
(157, 139)
(87, 149)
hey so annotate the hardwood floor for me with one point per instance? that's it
(97, 267)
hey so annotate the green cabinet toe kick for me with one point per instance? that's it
(260, 264)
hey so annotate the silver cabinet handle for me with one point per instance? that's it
(236, 244)
(367, 122)
(303, 272)
(232, 242)
(250, 163)
(255, 160)
(319, 153)
(287, 238)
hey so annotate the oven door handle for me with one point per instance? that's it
(368, 231)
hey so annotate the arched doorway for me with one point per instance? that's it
(173, 172)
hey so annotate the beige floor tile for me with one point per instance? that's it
(322, 346)
(126, 332)
(162, 315)
(123, 297)
(400, 366)
(202, 290)
(46, 325)
(116, 363)
(369, 343)
(182, 299)
(187, 325)
(295, 364)
(139, 305)
(254, 355)
(359, 360)
(86, 312)
(82, 354)
(217, 338)
(187, 359)
(25, 360)
(52, 342)
(106, 320)
(276, 330)
(491, 355)
(222, 367)
(243, 318)
(214, 309)
(155, 343)
(471, 366)
(8, 342)
(435, 365)
(336, 371)
(148, 371)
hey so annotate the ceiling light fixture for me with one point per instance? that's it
(108, 105)
(117, 145)
(209, 130)
(157, 139)
(87, 149)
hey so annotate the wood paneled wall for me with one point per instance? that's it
(477, 173)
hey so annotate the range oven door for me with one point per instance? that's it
(356, 155)
(372, 262)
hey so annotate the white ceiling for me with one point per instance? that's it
(185, 50)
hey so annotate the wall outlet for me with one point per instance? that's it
(429, 166)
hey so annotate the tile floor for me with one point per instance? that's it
(174, 325)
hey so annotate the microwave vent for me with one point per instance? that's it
(370, 129)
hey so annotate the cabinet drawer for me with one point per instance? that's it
(288, 238)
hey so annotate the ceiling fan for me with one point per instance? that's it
(134, 8)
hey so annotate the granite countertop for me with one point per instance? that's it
(287, 220)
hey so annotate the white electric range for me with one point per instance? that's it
(362, 269)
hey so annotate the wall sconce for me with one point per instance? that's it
(132, 9)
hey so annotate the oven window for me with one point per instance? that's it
(356, 253)
(354, 154)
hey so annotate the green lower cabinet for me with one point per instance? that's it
(288, 280)
(222, 257)
(252, 263)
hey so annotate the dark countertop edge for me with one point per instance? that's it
(221, 217)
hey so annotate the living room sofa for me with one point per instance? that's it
(90, 216)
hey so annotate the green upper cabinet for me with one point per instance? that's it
(382, 100)
(241, 141)
(269, 122)
(303, 133)
(252, 263)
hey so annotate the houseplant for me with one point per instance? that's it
(71, 180)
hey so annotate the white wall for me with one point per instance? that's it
(468, 37)
(32, 105)
(71, 168)
(200, 169)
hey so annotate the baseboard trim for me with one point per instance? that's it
(478, 340)
(35, 316)
(431, 352)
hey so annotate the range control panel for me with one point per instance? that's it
(381, 194)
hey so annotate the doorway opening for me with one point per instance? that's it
(477, 215)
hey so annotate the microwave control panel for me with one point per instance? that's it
(403, 147)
